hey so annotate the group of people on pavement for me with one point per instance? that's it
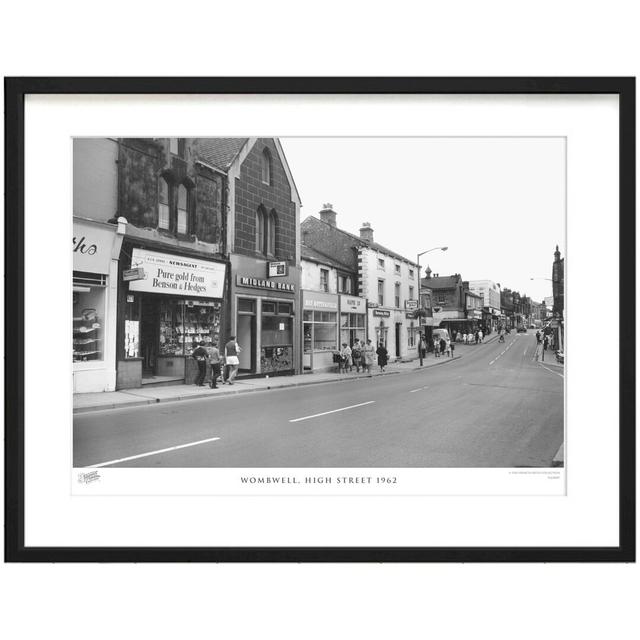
(223, 367)
(361, 356)
(470, 337)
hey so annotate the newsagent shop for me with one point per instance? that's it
(168, 304)
(263, 308)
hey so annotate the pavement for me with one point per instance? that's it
(494, 405)
(84, 402)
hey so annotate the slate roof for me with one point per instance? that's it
(220, 152)
(359, 241)
(308, 253)
(441, 282)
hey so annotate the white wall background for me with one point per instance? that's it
(332, 601)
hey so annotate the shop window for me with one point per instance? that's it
(265, 166)
(268, 307)
(321, 331)
(183, 210)
(247, 306)
(276, 331)
(185, 323)
(324, 279)
(381, 292)
(163, 203)
(132, 327)
(89, 290)
(352, 327)
(285, 308)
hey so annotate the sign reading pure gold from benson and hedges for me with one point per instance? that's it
(177, 275)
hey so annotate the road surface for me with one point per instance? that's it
(495, 407)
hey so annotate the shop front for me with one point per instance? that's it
(262, 312)
(168, 305)
(320, 330)
(96, 248)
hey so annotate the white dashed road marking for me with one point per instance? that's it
(153, 453)
(420, 389)
(547, 368)
(324, 413)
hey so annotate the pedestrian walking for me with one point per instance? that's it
(538, 337)
(436, 348)
(545, 343)
(480, 336)
(231, 351)
(214, 363)
(356, 355)
(443, 347)
(199, 354)
(383, 356)
(368, 353)
(422, 345)
(345, 357)
(477, 337)
(458, 337)
(452, 347)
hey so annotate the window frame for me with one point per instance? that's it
(381, 292)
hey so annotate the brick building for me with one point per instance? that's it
(263, 241)
(210, 234)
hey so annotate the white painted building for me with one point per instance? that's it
(390, 284)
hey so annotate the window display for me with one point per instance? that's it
(320, 330)
(88, 317)
(183, 324)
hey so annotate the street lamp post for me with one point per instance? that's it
(420, 299)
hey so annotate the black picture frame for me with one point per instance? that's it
(15, 91)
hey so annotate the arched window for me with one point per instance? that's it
(266, 166)
(271, 234)
(260, 225)
(163, 203)
(183, 210)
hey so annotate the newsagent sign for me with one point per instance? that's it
(177, 275)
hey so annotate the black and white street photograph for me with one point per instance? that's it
(315, 303)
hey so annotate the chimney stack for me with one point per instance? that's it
(366, 232)
(327, 214)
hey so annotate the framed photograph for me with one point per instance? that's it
(320, 319)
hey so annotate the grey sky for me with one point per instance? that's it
(497, 203)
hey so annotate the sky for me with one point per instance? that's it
(498, 204)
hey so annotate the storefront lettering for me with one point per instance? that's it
(181, 281)
(246, 281)
(81, 247)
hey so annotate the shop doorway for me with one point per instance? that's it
(149, 335)
(398, 331)
(246, 337)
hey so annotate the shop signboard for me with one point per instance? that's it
(93, 244)
(352, 304)
(276, 269)
(262, 283)
(382, 313)
(410, 305)
(133, 274)
(319, 300)
(177, 275)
